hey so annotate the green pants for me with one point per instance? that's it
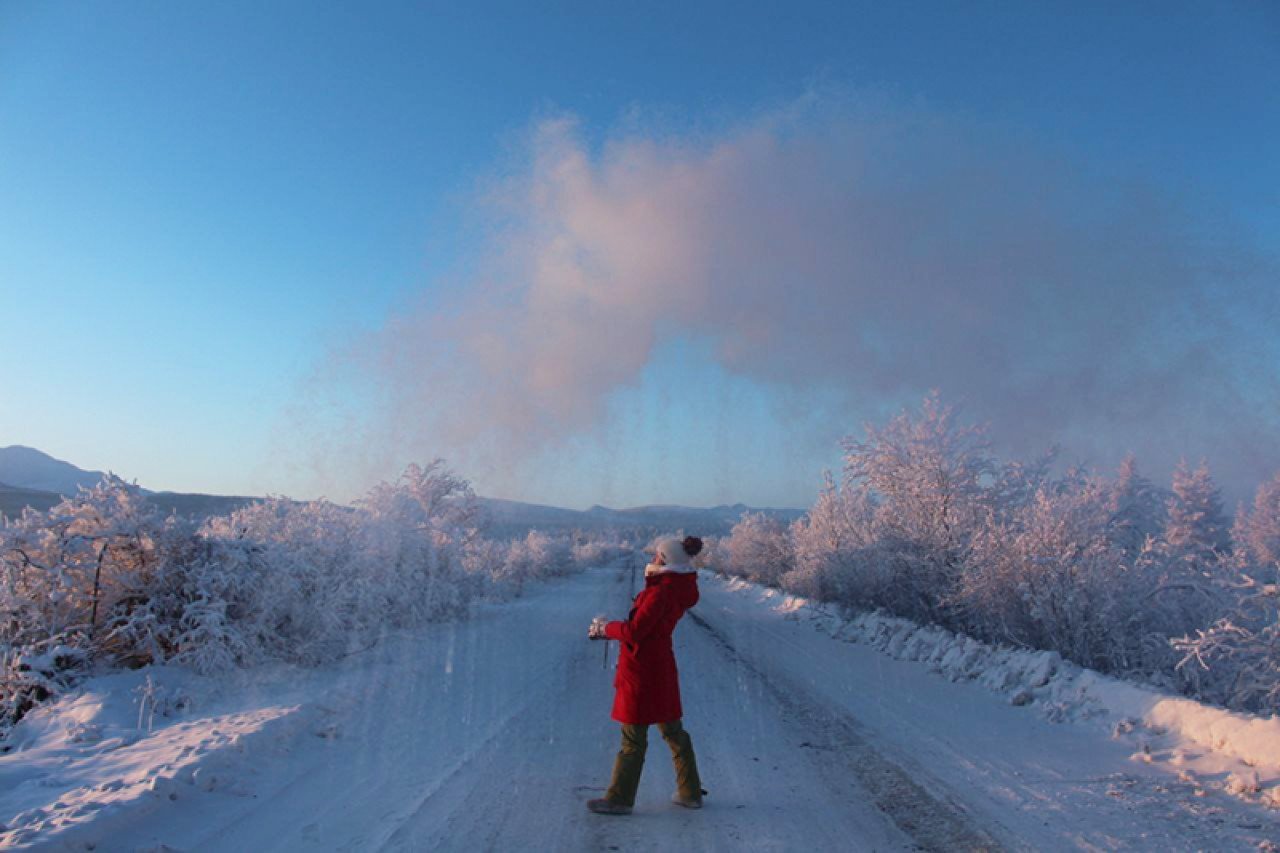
(630, 761)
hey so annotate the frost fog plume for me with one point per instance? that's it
(867, 253)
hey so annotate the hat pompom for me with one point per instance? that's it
(675, 553)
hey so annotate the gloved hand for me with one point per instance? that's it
(596, 630)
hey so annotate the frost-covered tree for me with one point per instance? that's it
(1256, 532)
(1111, 573)
(1197, 527)
(759, 548)
(1016, 484)
(416, 529)
(549, 555)
(1050, 577)
(1135, 510)
(103, 578)
(588, 551)
(86, 572)
(1236, 661)
(834, 548)
(87, 583)
(431, 499)
(483, 561)
(927, 471)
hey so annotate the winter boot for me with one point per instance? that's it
(603, 806)
(689, 802)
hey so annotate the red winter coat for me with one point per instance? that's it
(648, 686)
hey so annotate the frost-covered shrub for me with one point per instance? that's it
(536, 556)
(307, 586)
(193, 608)
(1034, 578)
(1197, 528)
(82, 583)
(1256, 533)
(30, 678)
(1110, 573)
(483, 565)
(836, 556)
(549, 556)
(1051, 576)
(590, 552)
(759, 548)
(1136, 513)
(927, 473)
(500, 569)
(328, 576)
(67, 571)
(1236, 661)
(103, 579)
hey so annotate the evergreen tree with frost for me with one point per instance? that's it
(1197, 528)
(1256, 533)
(1134, 510)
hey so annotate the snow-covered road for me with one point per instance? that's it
(497, 732)
(490, 734)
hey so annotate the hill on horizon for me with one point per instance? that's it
(28, 468)
(30, 477)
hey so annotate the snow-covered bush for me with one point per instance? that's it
(589, 552)
(537, 555)
(549, 556)
(1136, 512)
(103, 579)
(1047, 577)
(1109, 573)
(835, 549)
(1197, 528)
(1256, 533)
(31, 677)
(928, 474)
(500, 569)
(79, 583)
(759, 548)
(1236, 661)
(483, 564)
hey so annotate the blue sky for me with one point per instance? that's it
(199, 201)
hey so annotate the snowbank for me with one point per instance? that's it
(122, 753)
(121, 745)
(1059, 689)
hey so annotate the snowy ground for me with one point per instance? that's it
(490, 734)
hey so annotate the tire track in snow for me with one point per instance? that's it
(467, 807)
(399, 834)
(933, 823)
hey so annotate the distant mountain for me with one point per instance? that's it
(29, 477)
(198, 505)
(28, 468)
(516, 518)
(530, 515)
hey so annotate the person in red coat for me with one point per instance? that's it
(647, 684)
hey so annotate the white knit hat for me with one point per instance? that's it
(674, 555)
(672, 552)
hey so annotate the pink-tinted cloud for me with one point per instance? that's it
(867, 252)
